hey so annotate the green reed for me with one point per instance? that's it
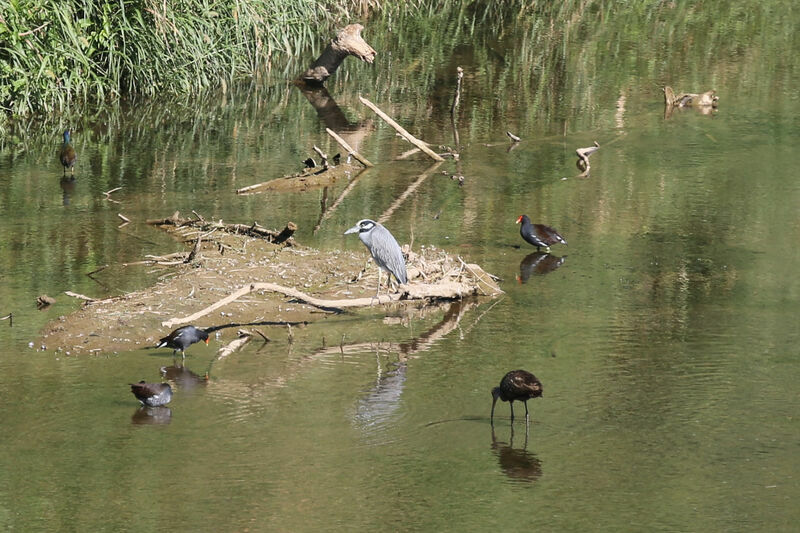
(53, 52)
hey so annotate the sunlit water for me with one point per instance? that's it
(665, 333)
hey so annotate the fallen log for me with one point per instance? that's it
(253, 230)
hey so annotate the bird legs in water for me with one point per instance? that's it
(527, 415)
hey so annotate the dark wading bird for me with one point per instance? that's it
(517, 385)
(67, 154)
(152, 394)
(182, 338)
(384, 249)
(538, 235)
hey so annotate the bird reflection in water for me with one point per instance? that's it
(539, 263)
(185, 379)
(67, 184)
(518, 464)
(145, 415)
(384, 398)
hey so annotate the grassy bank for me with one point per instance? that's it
(53, 52)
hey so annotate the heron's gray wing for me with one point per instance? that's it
(387, 253)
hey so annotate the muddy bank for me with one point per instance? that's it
(231, 263)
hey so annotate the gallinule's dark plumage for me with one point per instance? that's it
(517, 385)
(182, 338)
(67, 154)
(538, 235)
(152, 394)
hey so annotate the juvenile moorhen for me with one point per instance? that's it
(538, 235)
(517, 385)
(67, 154)
(182, 338)
(152, 394)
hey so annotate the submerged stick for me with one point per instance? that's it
(350, 151)
(402, 131)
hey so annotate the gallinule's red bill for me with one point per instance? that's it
(152, 394)
(67, 154)
(538, 235)
(517, 385)
(182, 338)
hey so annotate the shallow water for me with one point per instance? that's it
(665, 335)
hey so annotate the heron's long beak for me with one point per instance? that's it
(494, 401)
(354, 229)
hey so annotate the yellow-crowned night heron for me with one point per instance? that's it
(384, 249)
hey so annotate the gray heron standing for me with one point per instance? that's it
(384, 249)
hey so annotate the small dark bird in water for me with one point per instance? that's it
(517, 385)
(152, 394)
(182, 338)
(538, 235)
(67, 154)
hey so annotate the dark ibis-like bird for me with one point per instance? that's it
(152, 394)
(67, 155)
(517, 385)
(182, 338)
(539, 235)
(384, 249)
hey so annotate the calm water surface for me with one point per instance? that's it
(665, 334)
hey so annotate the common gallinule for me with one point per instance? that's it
(517, 385)
(152, 394)
(384, 249)
(538, 235)
(67, 154)
(182, 338)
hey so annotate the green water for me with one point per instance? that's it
(666, 340)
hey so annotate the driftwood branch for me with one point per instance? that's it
(402, 131)
(708, 98)
(348, 42)
(583, 155)
(433, 291)
(236, 344)
(360, 158)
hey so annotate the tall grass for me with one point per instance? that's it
(56, 51)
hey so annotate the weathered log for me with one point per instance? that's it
(253, 230)
(348, 42)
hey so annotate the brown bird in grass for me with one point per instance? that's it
(152, 394)
(538, 235)
(517, 385)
